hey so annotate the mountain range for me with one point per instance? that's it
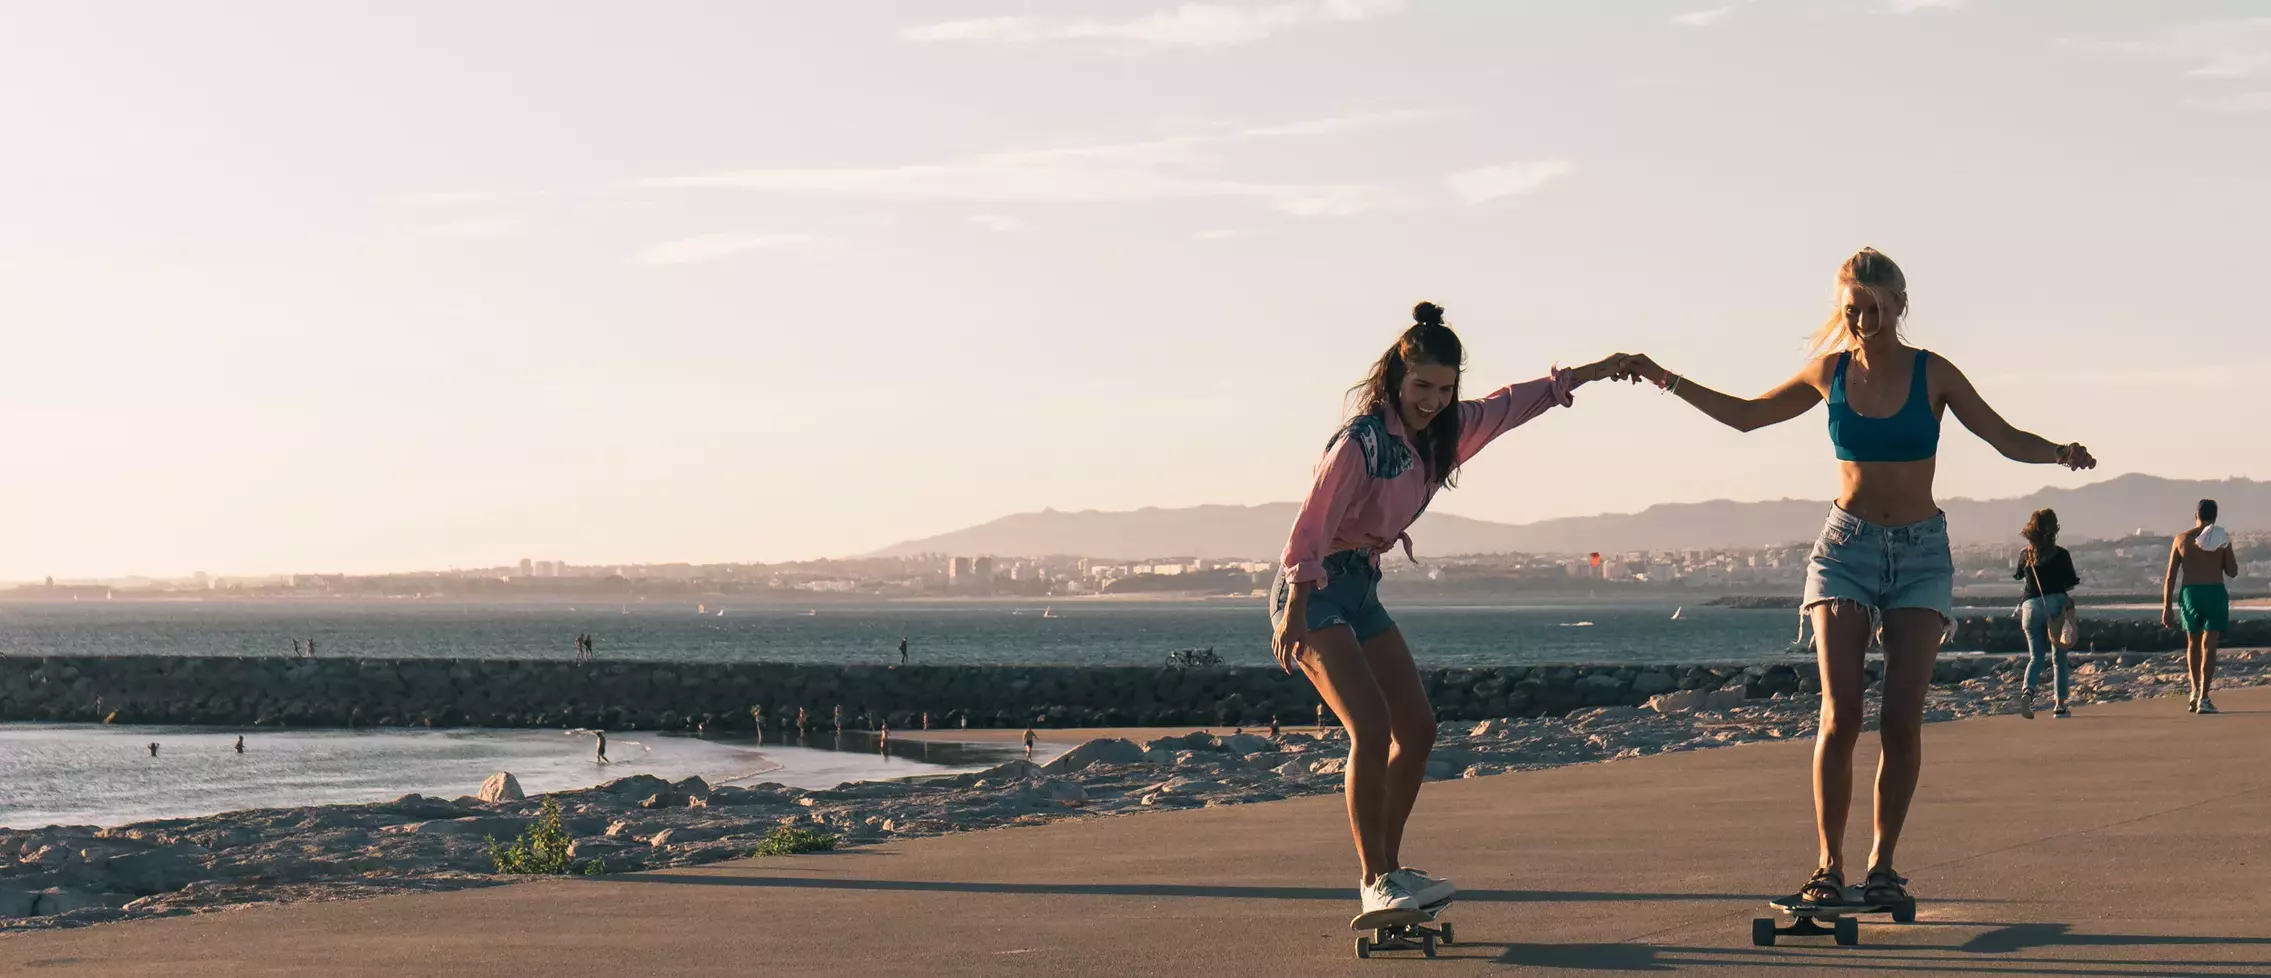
(2113, 508)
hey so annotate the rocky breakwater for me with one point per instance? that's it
(730, 696)
(73, 875)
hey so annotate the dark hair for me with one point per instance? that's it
(1426, 341)
(2042, 534)
(2207, 511)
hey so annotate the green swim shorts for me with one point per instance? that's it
(2204, 608)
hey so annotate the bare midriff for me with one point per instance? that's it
(1888, 493)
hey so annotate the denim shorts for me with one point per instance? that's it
(1351, 596)
(1883, 567)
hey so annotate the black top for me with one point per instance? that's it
(2056, 574)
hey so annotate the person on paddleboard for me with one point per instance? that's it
(1408, 436)
(1882, 565)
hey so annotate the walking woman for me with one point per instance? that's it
(2047, 571)
(1882, 564)
(1407, 438)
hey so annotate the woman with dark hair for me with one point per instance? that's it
(1882, 565)
(2046, 571)
(1407, 438)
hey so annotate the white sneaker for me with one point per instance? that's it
(1387, 903)
(1426, 890)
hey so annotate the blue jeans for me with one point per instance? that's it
(1882, 568)
(2035, 618)
(1351, 596)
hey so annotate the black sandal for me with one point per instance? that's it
(1882, 882)
(1828, 881)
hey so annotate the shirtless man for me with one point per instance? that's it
(2203, 555)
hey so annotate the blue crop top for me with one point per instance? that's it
(1912, 434)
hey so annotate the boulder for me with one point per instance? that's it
(1105, 750)
(1488, 728)
(1065, 791)
(154, 871)
(1243, 744)
(636, 786)
(681, 836)
(57, 900)
(1652, 682)
(501, 786)
(16, 902)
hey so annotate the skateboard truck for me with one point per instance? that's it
(1414, 936)
(1806, 920)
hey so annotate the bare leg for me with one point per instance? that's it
(1912, 642)
(1335, 665)
(1841, 642)
(2208, 643)
(1411, 734)
(2193, 660)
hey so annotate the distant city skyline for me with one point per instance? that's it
(420, 285)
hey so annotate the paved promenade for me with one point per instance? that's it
(2129, 840)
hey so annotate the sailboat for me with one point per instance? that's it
(1676, 612)
(1048, 613)
(721, 612)
(812, 613)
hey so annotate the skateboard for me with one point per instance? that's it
(1410, 935)
(1806, 919)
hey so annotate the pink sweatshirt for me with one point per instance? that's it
(1371, 484)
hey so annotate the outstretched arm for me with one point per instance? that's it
(2016, 445)
(1788, 400)
(1485, 418)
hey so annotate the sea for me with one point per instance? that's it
(105, 775)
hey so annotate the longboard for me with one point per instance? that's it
(1843, 928)
(1406, 932)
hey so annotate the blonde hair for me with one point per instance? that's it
(1871, 272)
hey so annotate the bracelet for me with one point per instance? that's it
(1671, 384)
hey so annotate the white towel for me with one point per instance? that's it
(2213, 537)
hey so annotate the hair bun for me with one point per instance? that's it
(1427, 314)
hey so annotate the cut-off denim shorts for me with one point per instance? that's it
(1351, 596)
(1883, 568)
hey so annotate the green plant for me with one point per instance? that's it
(785, 841)
(541, 850)
(595, 868)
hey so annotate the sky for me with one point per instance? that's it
(350, 287)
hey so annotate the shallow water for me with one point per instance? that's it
(89, 774)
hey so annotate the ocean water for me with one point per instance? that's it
(1071, 633)
(89, 774)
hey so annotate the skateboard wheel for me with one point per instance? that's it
(1447, 935)
(1846, 932)
(1364, 947)
(1427, 945)
(1904, 912)
(1762, 931)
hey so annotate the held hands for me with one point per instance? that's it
(1636, 367)
(2074, 456)
(1603, 369)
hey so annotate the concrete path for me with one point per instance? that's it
(2127, 841)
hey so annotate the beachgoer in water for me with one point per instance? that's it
(153, 748)
(902, 650)
(800, 721)
(885, 737)
(1882, 563)
(2202, 557)
(1409, 436)
(311, 648)
(602, 734)
(839, 718)
(240, 743)
(1029, 740)
(296, 653)
(1273, 726)
(2047, 571)
(965, 721)
(926, 719)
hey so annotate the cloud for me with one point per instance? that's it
(1352, 122)
(1505, 180)
(996, 222)
(2243, 102)
(1703, 18)
(1173, 168)
(1186, 25)
(482, 227)
(715, 246)
(2215, 48)
(1912, 6)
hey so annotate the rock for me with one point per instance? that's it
(1104, 750)
(1188, 786)
(582, 849)
(1065, 791)
(681, 836)
(691, 785)
(621, 830)
(636, 786)
(1290, 769)
(1159, 755)
(501, 786)
(153, 871)
(1330, 765)
(1482, 770)
(1488, 728)
(1243, 744)
(57, 900)
(16, 902)
(1652, 682)
(1438, 770)
(501, 828)
(663, 799)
